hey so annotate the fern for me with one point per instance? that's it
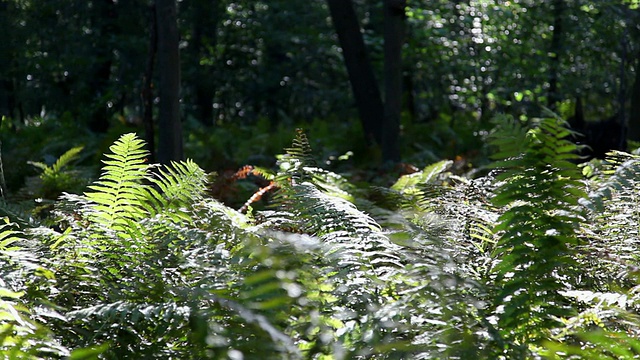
(57, 168)
(427, 176)
(320, 207)
(179, 185)
(539, 188)
(147, 265)
(607, 323)
(57, 178)
(119, 193)
(620, 176)
(176, 249)
(23, 333)
(418, 305)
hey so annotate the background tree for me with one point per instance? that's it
(634, 113)
(361, 76)
(394, 15)
(204, 18)
(169, 123)
(146, 93)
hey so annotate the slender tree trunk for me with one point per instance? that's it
(409, 96)
(169, 125)
(206, 16)
(634, 111)
(622, 93)
(361, 76)
(556, 48)
(106, 15)
(394, 15)
(6, 59)
(147, 87)
(577, 121)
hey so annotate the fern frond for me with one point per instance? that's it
(180, 185)
(8, 237)
(119, 194)
(64, 160)
(427, 176)
(297, 157)
(332, 184)
(508, 136)
(621, 176)
(356, 237)
(611, 240)
(301, 149)
(56, 178)
(539, 191)
(23, 333)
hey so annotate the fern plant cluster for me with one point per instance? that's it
(535, 260)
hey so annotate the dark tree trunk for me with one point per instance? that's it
(577, 121)
(622, 98)
(409, 96)
(147, 87)
(101, 72)
(634, 111)
(6, 59)
(556, 48)
(8, 94)
(394, 15)
(275, 59)
(169, 125)
(206, 15)
(99, 121)
(361, 76)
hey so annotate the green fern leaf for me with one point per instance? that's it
(63, 161)
(119, 194)
(180, 185)
(301, 149)
(8, 236)
(540, 190)
(426, 176)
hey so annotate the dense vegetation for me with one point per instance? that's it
(498, 236)
(534, 259)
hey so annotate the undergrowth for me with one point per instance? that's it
(536, 259)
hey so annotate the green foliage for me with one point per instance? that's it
(57, 177)
(539, 188)
(244, 88)
(118, 194)
(521, 263)
(23, 333)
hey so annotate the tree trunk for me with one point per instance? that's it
(394, 15)
(556, 48)
(106, 15)
(634, 111)
(206, 16)
(6, 59)
(169, 125)
(361, 76)
(147, 87)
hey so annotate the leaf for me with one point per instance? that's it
(89, 353)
